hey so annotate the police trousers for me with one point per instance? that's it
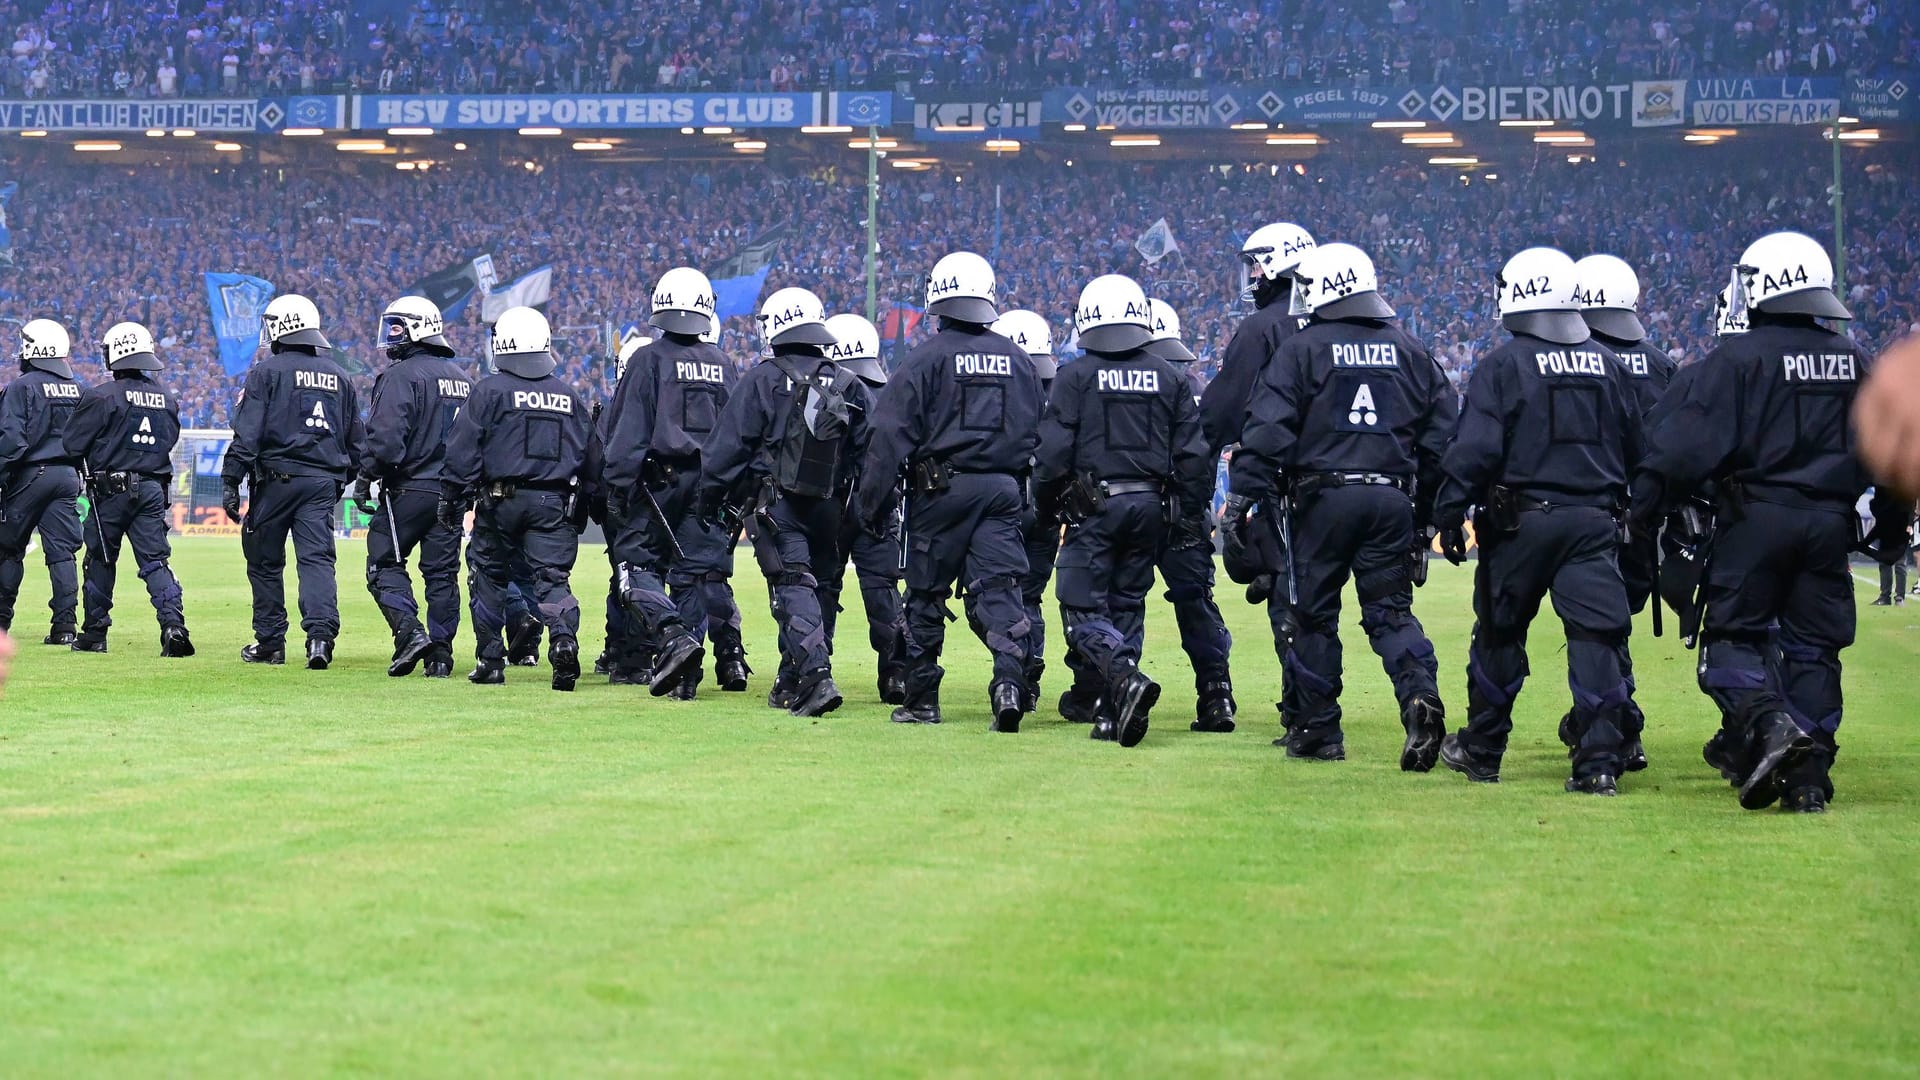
(969, 534)
(1366, 531)
(665, 595)
(1043, 547)
(876, 569)
(302, 507)
(1572, 553)
(532, 525)
(137, 516)
(797, 541)
(1102, 578)
(1786, 565)
(44, 498)
(408, 518)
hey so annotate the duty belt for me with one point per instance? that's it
(1132, 487)
(119, 483)
(507, 489)
(1313, 482)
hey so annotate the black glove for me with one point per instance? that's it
(1892, 529)
(1190, 531)
(1233, 531)
(451, 512)
(362, 496)
(230, 500)
(709, 505)
(617, 505)
(1453, 542)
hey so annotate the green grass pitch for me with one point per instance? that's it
(208, 869)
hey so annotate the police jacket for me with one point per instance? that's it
(415, 401)
(299, 415)
(128, 424)
(1125, 416)
(666, 405)
(533, 433)
(1224, 403)
(1649, 369)
(33, 412)
(967, 398)
(1347, 396)
(1556, 423)
(1767, 412)
(751, 425)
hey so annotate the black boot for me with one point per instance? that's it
(408, 647)
(817, 696)
(440, 661)
(1778, 745)
(1425, 719)
(1455, 756)
(1008, 704)
(730, 670)
(563, 656)
(488, 673)
(265, 652)
(1030, 688)
(923, 697)
(1597, 784)
(1080, 704)
(1134, 695)
(59, 634)
(893, 686)
(671, 663)
(523, 642)
(88, 642)
(174, 642)
(1215, 708)
(319, 653)
(783, 692)
(603, 664)
(1104, 727)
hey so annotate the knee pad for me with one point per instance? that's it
(795, 579)
(1380, 583)
(1802, 653)
(1007, 583)
(1189, 592)
(1612, 639)
(150, 568)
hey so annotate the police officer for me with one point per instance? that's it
(39, 487)
(664, 409)
(414, 404)
(523, 445)
(1270, 255)
(1609, 295)
(876, 559)
(1029, 330)
(627, 656)
(123, 433)
(1121, 439)
(1348, 425)
(1764, 419)
(297, 437)
(960, 419)
(804, 420)
(1547, 437)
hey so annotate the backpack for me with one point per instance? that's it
(810, 444)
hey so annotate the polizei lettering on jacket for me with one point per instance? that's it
(317, 380)
(544, 402)
(1366, 354)
(60, 390)
(146, 399)
(1636, 364)
(693, 371)
(1129, 381)
(1819, 367)
(965, 364)
(454, 387)
(1575, 362)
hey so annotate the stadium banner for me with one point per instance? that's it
(610, 111)
(1659, 104)
(214, 114)
(235, 302)
(1738, 102)
(326, 113)
(1885, 98)
(1611, 104)
(1323, 105)
(858, 108)
(1144, 109)
(971, 118)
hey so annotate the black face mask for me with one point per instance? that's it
(1270, 291)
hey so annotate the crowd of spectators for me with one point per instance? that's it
(171, 48)
(94, 244)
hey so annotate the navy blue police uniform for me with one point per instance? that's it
(39, 490)
(1348, 426)
(877, 573)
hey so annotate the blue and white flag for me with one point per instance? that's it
(7, 192)
(532, 289)
(737, 296)
(236, 301)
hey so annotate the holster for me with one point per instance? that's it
(114, 483)
(929, 477)
(501, 489)
(1499, 514)
(1084, 499)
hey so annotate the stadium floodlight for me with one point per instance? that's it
(593, 144)
(1397, 125)
(96, 147)
(1702, 138)
(1429, 138)
(716, 130)
(410, 131)
(825, 129)
(1301, 139)
(1004, 146)
(184, 133)
(227, 147)
(1073, 127)
(296, 133)
(1849, 120)
(540, 131)
(1460, 161)
(360, 146)
(750, 146)
(686, 131)
(1251, 125)
(1857, 135)
(1526, 123)
(459, 146)
(156, 133)
(910, 163)
(1124, 141)
(877, 144)
(403, 166)
(35, 133)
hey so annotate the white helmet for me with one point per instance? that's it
(1030, 331)
(291, 319)
(793, 316)
(1166, 343)
(1728, 322)
(1113, 316)
(523, 343)
(1338, 281)
(414, 320)
(1608, 292)
(44, 344)
(1271, 252)
(1536, 296)
(128, 347)
(857, 348)
(711, 335)
(960, 286)
(683, 302)
(627, 348)
(1789, 273)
